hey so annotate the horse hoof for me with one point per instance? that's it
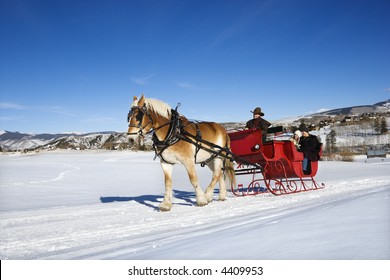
(165, 207)
(201, 204)
(209, 197)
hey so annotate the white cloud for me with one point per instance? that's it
(100, 120)
(63, 113)
(11, 106)
(13, 118)
(53, 109)
(185, 85)
(56, 110)
(142, 80)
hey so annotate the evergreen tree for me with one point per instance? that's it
(331, 142)
(377, 125)
(383, 126)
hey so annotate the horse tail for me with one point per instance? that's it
(229, 165)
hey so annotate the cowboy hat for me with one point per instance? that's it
(257, 111)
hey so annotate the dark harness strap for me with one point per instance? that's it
(159, 146)
(177, 132)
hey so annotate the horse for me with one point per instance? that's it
(176, 140)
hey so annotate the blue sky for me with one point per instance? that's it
(75, 65)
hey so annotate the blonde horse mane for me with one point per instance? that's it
(159, 107)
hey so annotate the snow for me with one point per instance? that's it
(104, 205)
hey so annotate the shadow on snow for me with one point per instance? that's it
(151, 200)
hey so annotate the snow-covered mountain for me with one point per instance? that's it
(16, 141)
(380, 107)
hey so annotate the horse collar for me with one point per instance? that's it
(171, 138)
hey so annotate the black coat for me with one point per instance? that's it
(310, 147)
(258, 123)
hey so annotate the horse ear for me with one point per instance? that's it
(141, 102)
(135, 101)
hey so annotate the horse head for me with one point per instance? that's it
(139, 119)
(146, 114)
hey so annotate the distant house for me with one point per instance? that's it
(376, 153)
(347, 119)
(350, 119)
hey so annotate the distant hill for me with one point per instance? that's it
(380, 107)
(16, 141)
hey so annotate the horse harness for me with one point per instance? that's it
(177, 132)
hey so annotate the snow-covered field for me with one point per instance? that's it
(103, 205)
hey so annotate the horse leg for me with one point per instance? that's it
(228, 171)
(222, 189)
(200, 197)
(216, 168)
(166, 205)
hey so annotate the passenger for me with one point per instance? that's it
(296, 139)
(258, 122)
(310, 147)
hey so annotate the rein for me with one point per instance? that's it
(223, 151)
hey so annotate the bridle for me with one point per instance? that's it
(142, 111)
(139, 117)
